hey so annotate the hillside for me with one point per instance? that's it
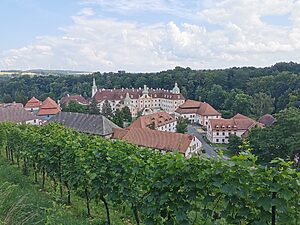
(23, 202)
(234, 90)
(92, 172)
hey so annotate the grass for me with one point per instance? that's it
(23, 202)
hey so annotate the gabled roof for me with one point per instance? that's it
(49, 107)
(267, 120)
(33, 103)
(238, 122)
(68, 98)
(86, 123)
(15, 114)
(201, 108)
(161, 140)
(157, 119)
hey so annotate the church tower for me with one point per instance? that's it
(176, 89)
(94, 88)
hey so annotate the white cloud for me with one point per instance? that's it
(241, 38)
(86, 12)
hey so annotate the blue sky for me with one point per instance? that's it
(147, 35)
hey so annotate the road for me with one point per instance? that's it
(209, 150)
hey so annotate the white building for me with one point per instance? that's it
(151, 100)
(157, 121)
(218, 130)
(197, 112)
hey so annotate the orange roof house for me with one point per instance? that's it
(156, 120)
(165, 141)
(33, 103)
(197, 112)
(201, 108)
(77, 98)
(220, 129)
(49, 108)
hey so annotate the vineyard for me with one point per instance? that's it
(156, 188)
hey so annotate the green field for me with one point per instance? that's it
(23, 202)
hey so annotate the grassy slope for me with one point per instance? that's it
(21, 202)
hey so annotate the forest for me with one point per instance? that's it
(154, 188)
(247, 90)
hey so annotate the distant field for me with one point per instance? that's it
(6, 73)
(42, 73)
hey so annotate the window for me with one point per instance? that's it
(223, 133)
(217, 133)
(223, 140)
(217, 140)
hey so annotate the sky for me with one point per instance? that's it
(147, 35)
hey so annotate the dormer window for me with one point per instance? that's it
(217, 126)
(229, 126)
(223, 126)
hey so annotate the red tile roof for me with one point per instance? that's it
(33, 103)
(161, 140)
(119, 94)
(15, 114)
(267, 120)
(78, 98)
(201, 108)
(159, 119)
(49, 107)
(238, 122)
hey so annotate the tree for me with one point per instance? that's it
(216, 96)
(262, 104)
(127, 114)
(242, 104)
(93, 108)
(106, 110)
(182, 124)
(21, 98)
(7, 98)
(234, 143)
(281, 140)
(74, 106)
(139, 114)
(118, 118)
(151, 126)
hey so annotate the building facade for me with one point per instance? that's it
(146, 100)
(18, 115)
(219, 130)
(48, 109)
(161, 121)
(197, 112)
(33, 105)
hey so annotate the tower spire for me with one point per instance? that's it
(94, 87)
